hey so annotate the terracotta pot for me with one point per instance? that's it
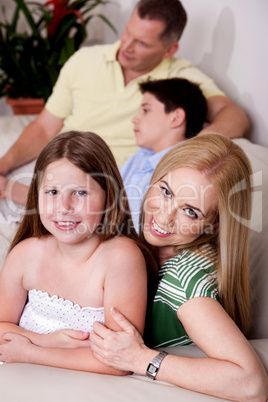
(26, 105)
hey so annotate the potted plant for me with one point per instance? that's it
(30, 61)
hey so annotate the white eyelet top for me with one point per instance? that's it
(44, 314)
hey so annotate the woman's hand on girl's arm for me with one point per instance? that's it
(125, 349)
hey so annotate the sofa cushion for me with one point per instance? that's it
(258, 156)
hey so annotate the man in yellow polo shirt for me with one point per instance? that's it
(97, 89)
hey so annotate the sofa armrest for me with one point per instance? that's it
(31, 383)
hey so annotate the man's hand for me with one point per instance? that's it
(13, 190)
(225, 118)
(4, 168)
(3, 186)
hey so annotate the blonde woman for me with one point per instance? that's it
(195, 216)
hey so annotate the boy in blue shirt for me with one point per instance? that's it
(171, 111)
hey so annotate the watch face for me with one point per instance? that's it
(152, 369)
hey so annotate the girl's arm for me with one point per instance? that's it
(19, 349)
(125, 286)
(232, 370)
(12, 293)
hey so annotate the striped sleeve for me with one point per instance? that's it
(187, 276)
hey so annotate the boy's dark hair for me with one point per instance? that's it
(177, 93)
(170, 12)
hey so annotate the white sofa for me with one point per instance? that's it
(31, 383)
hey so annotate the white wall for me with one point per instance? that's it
(227, 39)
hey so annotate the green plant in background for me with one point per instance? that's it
(30, 61)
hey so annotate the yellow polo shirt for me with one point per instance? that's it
(90, 94)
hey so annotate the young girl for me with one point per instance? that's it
(74, 256)
(196, 215)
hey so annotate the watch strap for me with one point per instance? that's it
(154, 365)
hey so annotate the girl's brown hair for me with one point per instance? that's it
(91, 154)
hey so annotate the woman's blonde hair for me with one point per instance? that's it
(227, 168)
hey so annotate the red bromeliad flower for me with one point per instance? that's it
(60, 9)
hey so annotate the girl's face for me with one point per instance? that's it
(71, 202)
(179, 208)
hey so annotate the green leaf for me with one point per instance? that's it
(23, 7)
(30, 61)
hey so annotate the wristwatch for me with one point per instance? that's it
(154, 365)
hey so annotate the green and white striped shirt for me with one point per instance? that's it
(188, 275)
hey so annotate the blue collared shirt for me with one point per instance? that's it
(136, 173)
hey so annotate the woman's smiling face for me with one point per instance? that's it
(179, 208)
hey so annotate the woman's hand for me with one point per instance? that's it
(123, 350)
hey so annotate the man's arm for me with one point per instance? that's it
(13, 190)
(226, 118)
(31, 141)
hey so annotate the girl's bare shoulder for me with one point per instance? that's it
(26, 255)
(122, 250)
(29, 248)
(122, 245)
